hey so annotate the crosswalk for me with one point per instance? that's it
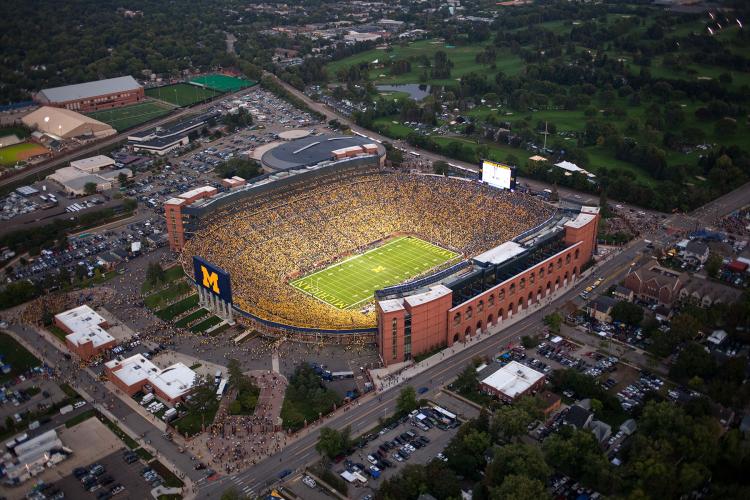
(247, 490)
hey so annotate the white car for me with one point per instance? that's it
(309, 481)
(372, 459)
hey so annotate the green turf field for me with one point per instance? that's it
(354, 280)
(182, 94)
(130, 116)
(9, 155)
(222, 83)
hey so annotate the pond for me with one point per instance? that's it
(415, 91)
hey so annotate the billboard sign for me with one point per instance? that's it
(212, 278)
(498, 174)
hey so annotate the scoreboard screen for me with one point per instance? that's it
(498, 175)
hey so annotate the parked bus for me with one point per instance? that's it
(221, 389)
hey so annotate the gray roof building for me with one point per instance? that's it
(89, 89)
(310, 151)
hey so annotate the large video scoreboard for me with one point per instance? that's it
(498, 174)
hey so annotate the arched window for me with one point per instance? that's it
(532, 278)
(469, 313)
(541, 272)
(457, 318)
(480, 306)
(491, 300)
(512, 288)
(522, 283)
(567, 259)
(501, 294)
(576, 253)
(551, 268)
(559, 262)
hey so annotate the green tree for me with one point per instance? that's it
(693, 361)
(406, 400)
(515, 459)
(465, 452)
(627, 313)
(155, 274)
(553, 321)
(247, 169)
(332, 443)
(520, 487)
(122, 178)
(713, 264)
(510, 422)
(89, 188)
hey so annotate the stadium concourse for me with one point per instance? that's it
(269, 240)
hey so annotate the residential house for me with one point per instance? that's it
(696, 252)
(623, 293)
(601, 308)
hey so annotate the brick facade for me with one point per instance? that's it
(98, 103)
(438, 323)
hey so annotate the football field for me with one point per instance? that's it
(353, 281)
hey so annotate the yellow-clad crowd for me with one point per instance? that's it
(265, 241)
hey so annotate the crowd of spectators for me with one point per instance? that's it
(264, 243)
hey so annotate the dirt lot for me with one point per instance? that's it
(90, 441)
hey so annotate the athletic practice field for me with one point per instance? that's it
(182, 94)
(222, 83)
(20, 152)
(354, 280)
(130, 116)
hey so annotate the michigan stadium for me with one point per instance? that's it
(328, 248)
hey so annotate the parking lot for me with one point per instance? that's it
(116, 477)
(390, 450)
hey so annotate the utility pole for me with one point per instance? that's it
(545, 135)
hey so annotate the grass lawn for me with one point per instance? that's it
(170, 274)
(353, 281)
(206, 324)
(130, 116)
(182, 94)
(80, 418)
(191, 423)
(191, 317)
(178, 308)
(16, 355)
(159, 299)
(396, 130)
(57, 332)
(462, 56)
(10, 155)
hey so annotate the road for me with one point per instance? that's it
(364, 416)
(95, 393)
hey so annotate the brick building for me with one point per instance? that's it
(87, 336)
(655, 284)
(93, 96)
(512, 381)
(501, 283)
(173, 213)
(133, 374)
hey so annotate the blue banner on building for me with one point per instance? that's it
(213, 278)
